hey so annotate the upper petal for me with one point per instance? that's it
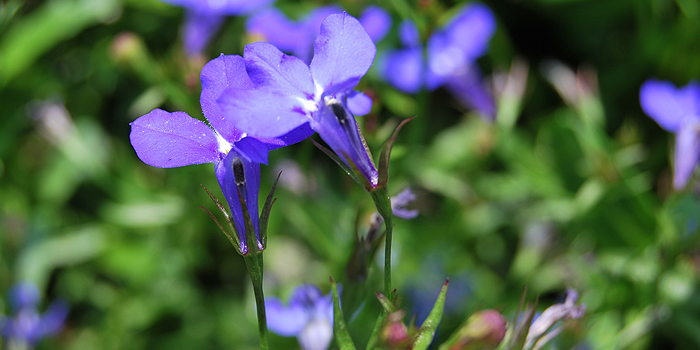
(342, 51)
(285, 320)
(218, 75)
(222, 7)
(277, 29)
(263, 114)
(167, 140)
(668, 105)
(272, 70)
(404, 69)
(199, 28)
(376, 22)
(471, 30)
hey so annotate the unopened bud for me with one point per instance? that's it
(483, 330)
(126, 47)
(394, 334)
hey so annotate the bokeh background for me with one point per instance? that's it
(571, 187)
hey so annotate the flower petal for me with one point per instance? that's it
(167, 140)
(359, 103)
(408, 34)
(376, 22)
(687, 152)
(222, 7)
(199, 28)
(221, 73)
(271, 70)
(471, 91)
(274, 27)
(263, 114)
(404, 69)
(471, 30)
(668, 105)
(284, 320)
(342, 51)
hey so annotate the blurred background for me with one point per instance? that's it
(570, 187)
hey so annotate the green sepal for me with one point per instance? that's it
(520, 326)
(427, 330)
(235, 241)
(386, 153)
(351, 169)
(387, 304)
(374, 337)
(265, 215)
(340, 330)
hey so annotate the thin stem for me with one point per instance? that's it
(255, 268)
(383, 204)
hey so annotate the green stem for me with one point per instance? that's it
(383, 204)
(254, 262)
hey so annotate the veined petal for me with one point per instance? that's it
(199, 28)
(687, 152)
(263, 114)
(285, 320)
(273, 71)
(471, 30)
(167, 140)
(274, 27)
(668, 105)
(376, 22)
(221, 73)
(404, 69)
(342, 51)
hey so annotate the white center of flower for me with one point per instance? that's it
(224, 146)
(316, 335)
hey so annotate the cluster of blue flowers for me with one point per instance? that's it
(27, 327)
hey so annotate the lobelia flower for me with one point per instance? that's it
(676, 110)
(167, 140)
(27, 327)
(297, 38)
(452, 52)
(204, 17)
(542, 329)
(309, 317)
(289, 93)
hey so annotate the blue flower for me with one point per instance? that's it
(297, 38)
(309, 317)
(289, 93)
(167, 140)
(452, 52)
(677, 110)
(204, 17)
(27, 327)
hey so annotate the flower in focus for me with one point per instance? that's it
(452, 52)
(167, 140)
(204, 17)
(289, 93)
(297, 38)
(27, 327)
(542, 329)
(676, 110)
(309, 317)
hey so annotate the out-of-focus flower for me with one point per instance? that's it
(204, 17)
(289, 93)
(27, 327)
(452, 52)
(400, 203)
(677, 110)
(309, 317)
(167, 140)
(483, 330)
(297, 38)
(543, 328)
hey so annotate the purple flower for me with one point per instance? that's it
(542, 329)
(400, 203)
(204, 17)
(452, 52)
(289, 93)
(677, 110)
(27, 327)
(309, 317)
(167, 140)
(297, 37)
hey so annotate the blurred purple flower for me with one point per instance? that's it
(167, 140)
(289, 93)
(27, 327)
(204, 17)
(542, 330)
(677, 110)
(309, 317)
(400, 203)
(297, 38)
(452, 52)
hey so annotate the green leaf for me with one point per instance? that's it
(387, 304)
(232, 238)
(340, 331)
(427, 329)
(386, 153)
(374, 337)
